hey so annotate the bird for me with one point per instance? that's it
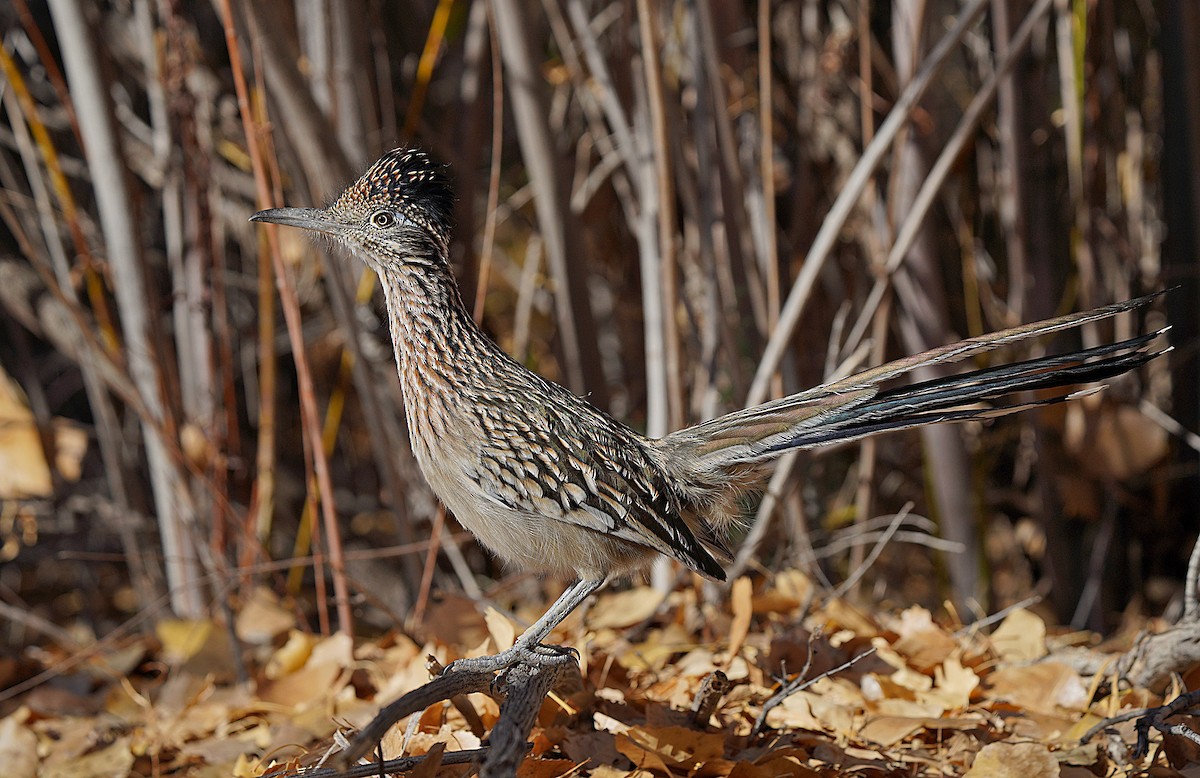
(553, 485)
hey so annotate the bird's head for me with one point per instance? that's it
(397, 212)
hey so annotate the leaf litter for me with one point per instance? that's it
(923, 698)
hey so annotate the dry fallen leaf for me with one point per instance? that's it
(501, 628)
(111, 760)
(1114, 440)
(952, 686)
(785, 761)
(889, 730)
(670, 748)
(547, 768)
(183, 638)
(18, 746)
(1014, 760)
(900, 707)
(292, 655)
(925, 644)
(742, 607)
(659, 647)
(841, 615)
(1021, 637)
(261, 619)
(454, 620)
(319, 678)
(1044, 687)
(24, 471)
(619, 610)
(810, 710)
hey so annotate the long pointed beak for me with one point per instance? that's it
(306, 218)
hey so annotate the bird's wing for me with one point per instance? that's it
(573, 463)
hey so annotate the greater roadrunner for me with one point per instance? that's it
(554, 485)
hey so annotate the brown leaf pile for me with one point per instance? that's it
(928, 701)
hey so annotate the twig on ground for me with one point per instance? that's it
(999, 615)
(1156, 717)
(442, 687)
(708, 697)
(523, 687)
(799, 683)
(1187, 702)
(853, 578)
(1191, 595)
(1155, 657)
(388, 767)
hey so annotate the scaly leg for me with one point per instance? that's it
(529, 648)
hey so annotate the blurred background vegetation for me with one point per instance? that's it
(652, 195)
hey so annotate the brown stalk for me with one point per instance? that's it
(766, 158)
(48, 61)
(291, 313)
(97, 367)
(175, 510)
(924, 322)
(1070, 75)
(325, 166)
(835, 220)
(487, 245)
(733, 188)
(634, 145)
(581, 363)
(433, 44)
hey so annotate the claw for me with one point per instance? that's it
(559, 651)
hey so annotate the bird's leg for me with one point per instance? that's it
(529, 648)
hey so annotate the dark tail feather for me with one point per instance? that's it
(943, 399)
(857, 406)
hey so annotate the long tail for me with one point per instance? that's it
(856, 406)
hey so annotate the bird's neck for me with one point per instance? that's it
(437, 343)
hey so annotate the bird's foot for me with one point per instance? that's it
(535, 655)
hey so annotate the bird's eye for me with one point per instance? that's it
(383, 219)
